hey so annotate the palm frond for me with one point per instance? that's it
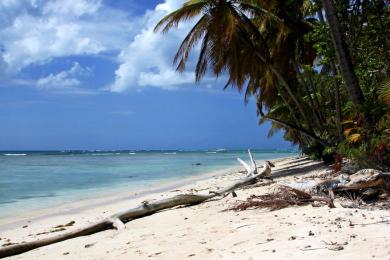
(201, 65)
(188, 11)
(189, 42)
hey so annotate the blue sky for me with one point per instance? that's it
(92, 74)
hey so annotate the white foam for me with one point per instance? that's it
(14, 154)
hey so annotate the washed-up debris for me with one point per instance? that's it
(357, 190)
(282, 197)
(363, 179)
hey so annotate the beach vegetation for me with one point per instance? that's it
(317, 70)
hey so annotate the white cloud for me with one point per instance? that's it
(73, 8)
(10, 9)
(64, 80)
(147, 60)
(35, 32)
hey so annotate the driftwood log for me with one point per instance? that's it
(365, 179)
(361, 180)
(117, 221)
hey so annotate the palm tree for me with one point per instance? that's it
(231, 41)
(342, 55)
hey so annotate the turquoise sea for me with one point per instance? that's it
(41, 179)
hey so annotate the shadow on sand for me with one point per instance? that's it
(298, 167)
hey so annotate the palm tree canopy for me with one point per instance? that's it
(229, 32)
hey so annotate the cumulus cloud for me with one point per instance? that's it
(68, 80)
(147, 60)
(35, 32)
(10, 9)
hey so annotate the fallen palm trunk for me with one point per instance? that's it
(367, 185)
(363, 179)
(117, 221)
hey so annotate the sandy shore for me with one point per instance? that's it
(102, 200)
(207, 231)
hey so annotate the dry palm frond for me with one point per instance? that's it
(283, 197)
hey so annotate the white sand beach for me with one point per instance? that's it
(209, 230)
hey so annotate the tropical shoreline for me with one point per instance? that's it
(108, 197)
(210, 230)
(39, 181)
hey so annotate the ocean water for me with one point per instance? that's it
(36, 180)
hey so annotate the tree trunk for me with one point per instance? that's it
(315, 91)
(292, 127)
(316, 107)
(297, 122)
(342, 54)
(284, 83)
(336, 91)
(337, 102)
